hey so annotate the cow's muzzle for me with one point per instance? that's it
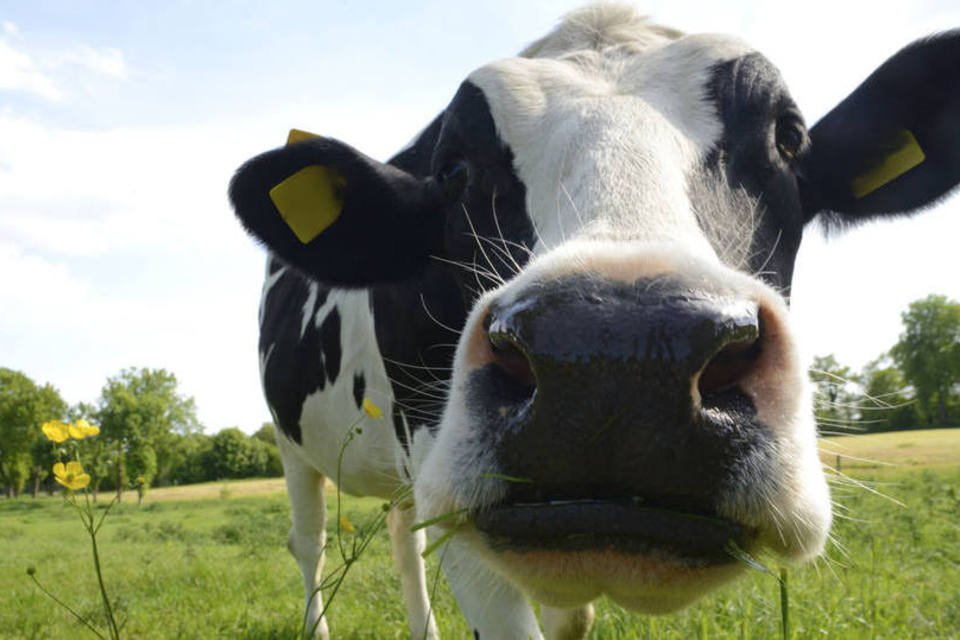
(618, 417)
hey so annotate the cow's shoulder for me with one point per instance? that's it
(300, 342)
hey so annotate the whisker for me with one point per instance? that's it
(423, 303)
(476, 237)
(473, 268)
(409, 365)
(503, 241)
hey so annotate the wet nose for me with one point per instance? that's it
(616, 388)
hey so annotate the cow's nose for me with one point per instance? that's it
(621, 388)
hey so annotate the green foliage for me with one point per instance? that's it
(917, 383)
(149, 431)
(267, 433)
(24, 406)
(142, 464)
(235, 455)
(140, 411)
(180, 564)
(835, 402)
(928, 354)
(188, 458)
(887, 405)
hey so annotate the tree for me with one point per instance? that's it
(235, 455)
(266, 433)
(928, 354)
(889, 405)
(23, 408)
(140, 411)
(189, 460)
(266, 437)
(835, 403)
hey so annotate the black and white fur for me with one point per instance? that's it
(613, 149)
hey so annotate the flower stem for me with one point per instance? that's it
(784, 605)
(63, 604)
(114, 631)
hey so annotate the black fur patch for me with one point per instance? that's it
(273, 264)
(330, 343)
(359, 388)
(412, 317)
(294, 367)
(751, 98)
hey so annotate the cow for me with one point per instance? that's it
(570, 296)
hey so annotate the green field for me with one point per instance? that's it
(895, 451)
(210, 562)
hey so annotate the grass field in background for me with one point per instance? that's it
(893, 451)
(210, 562)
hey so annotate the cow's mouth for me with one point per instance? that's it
(626, 525)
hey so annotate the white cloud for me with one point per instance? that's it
(105, 61)
(126, 252)
(19, 72)
(47, 73)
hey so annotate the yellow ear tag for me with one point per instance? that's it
(907, 155)
(309, 201)
(298, 135)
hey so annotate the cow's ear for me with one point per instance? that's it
(337, 214)
(893, 146)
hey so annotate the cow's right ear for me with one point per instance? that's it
(337, 214)
(893, 145)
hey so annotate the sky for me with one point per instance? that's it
(122, 122)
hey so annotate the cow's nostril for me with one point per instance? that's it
(508, 355)
(733, 362)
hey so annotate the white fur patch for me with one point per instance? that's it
(607, 142)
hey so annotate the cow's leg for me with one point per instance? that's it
(307, 534)
(566, 624)
(493, 608)
(407, 547)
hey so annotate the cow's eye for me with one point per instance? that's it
(452, 178)
(790, 137)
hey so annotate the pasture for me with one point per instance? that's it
(209, 562)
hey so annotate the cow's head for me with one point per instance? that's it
(627, 407)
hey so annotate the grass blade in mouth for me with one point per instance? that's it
(506, 478)
(737, 553)
(439, 542)
(443, 517)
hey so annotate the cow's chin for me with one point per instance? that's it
(651, 581)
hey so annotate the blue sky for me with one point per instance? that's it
(121, 123)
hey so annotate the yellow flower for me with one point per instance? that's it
(56, 431)
(345, 524)
(71, 475)
(81, 429)
(371, 409)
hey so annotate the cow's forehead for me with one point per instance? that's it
(600, 135)
(671, 75)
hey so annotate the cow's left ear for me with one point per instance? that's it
(893, 146)
(337, 214)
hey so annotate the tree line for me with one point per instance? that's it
(149, 436)
(914, 385)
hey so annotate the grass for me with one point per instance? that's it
(215, 566)
(895, 450)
